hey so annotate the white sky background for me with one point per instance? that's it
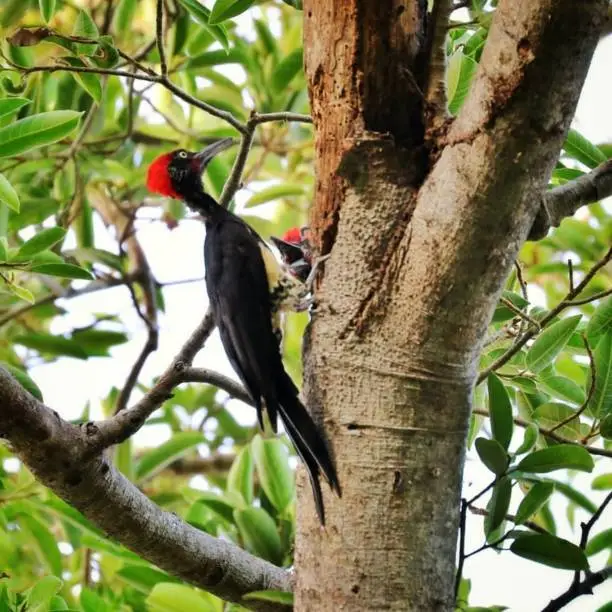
(503, 579)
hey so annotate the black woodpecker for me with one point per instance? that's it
(247, 288)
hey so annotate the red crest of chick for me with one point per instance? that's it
(293, 235)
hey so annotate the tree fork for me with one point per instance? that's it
(418, 260)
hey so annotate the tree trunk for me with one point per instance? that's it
(422, 230)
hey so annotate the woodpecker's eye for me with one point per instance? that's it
(182, 154)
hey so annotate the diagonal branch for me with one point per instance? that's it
(565, 200)
(58, 454)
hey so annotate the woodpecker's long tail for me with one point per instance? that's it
(308, 442)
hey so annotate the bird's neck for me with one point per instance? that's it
(206, 205)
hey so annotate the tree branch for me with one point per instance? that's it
(159, 27)
(58, 454)
(583, 588)
(565, 200)
(203, 375)
(127, 422)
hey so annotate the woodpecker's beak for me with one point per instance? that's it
(205, 155)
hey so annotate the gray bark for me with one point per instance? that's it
(418, 260)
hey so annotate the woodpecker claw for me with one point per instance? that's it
(313, 271)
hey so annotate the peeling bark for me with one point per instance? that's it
(418, 259)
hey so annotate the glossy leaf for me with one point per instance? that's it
(258, 531)
(500, 411)
(275, 192)
(275, 474)
(48, 344)
(287, 69)
(492, 454)
(124, 13)
(550, 550)
(90, 82)
(8, 195)
(601, 401)
(172, 597)
(499, 504)
(603, 482)
(563, 388)
(10, 106)
(550, 414)
(460, 70)
(582, 149)
(600, 323)
(47, 9)
(226, 9)
(41, 241)
(45, 542)
(560, 457)
(536, 497)
(42, 592)
(530, 437)
(37, 131)
(551, 342)
(24, 380)
(158, 458)
(202, 15)
(599, 542)
(63, 270)
(240, 476)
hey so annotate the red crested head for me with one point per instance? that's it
(293, 235)
(158, 177)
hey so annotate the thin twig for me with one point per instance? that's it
(159, 24)
(570, 273)
(521, 280)
(564, 303)
(203, 375)
(460, 563)
(589, 396)
(518, 312)
(592, 298)
(510, 517)
(233, 182)
(603, 452)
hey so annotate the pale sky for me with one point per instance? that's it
(502, 579)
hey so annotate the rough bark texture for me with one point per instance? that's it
(418, 259)
(56, 452)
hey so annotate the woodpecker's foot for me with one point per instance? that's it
(313, 271)
(307, 303)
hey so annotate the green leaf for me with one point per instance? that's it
(124, 13)
(601, 321)
(158, 458)
(275, 475)
(89, 81)
(603, 482)
(529, 439)
(202, 15)
(142, 577)
(287, 69)
(85, 27)
(550, 414)
(98, 341)
(599, 542)
(279, 597)
(21, 292)
(217, 504)
(499, 504)
(240, 476)
(296, 4)
(551, 342)
(41, 241)
(45, 541)
(536, 497)
(41, 593)
(493, 455)
(275, 192)
(550, 550)
(226, 9)
(92, 602)
(258, 531)
(605, 427)
(8, 195)
(500, 411)
(63, 270)
(3, 248)
(460, 70)
(601, 400)
(47, 9)
(9, 106)
(563, 388)
(37, 131)
(582, 149)
(171, 597)
(51, 345)
(559, 457)
(24, 380)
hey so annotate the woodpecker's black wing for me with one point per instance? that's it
(239, 295)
